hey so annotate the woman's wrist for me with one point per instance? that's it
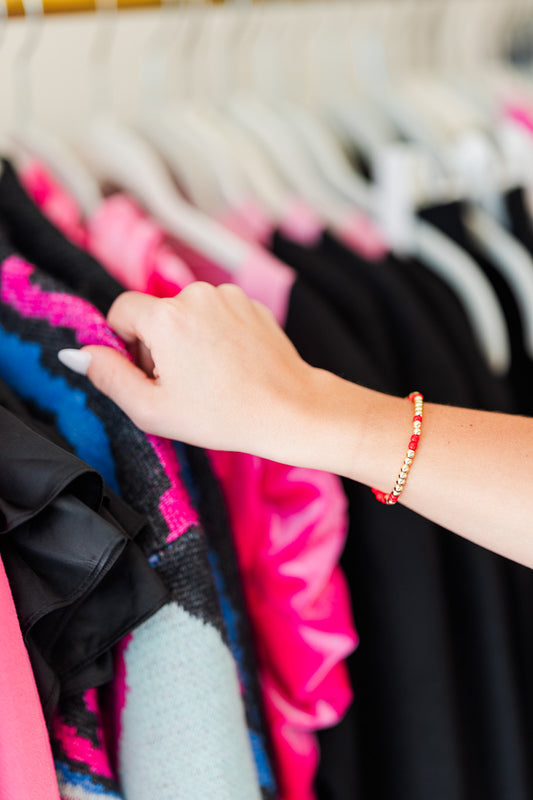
(321, 422)
(350, 430)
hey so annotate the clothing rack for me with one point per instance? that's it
(16, 8)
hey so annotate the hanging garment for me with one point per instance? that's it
(520, 222)
(78, 267)
(422, 605)
(79, 581)
(406, 729)
(26, 766)
(298, 522)
(489, 391)
(209, 753)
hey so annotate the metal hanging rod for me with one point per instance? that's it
(15, 8)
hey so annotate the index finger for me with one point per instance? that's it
(131, 316)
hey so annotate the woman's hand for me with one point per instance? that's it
(211, 368)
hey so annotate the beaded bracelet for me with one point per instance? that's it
(391, 498)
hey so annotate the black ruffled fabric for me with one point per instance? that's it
(79, 580)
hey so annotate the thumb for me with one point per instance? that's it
(116, 377)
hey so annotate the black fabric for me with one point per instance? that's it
(405, 319)
(79, 580)
(442, 690)
(354, 304)
(449, 218)
(489, 392)
(35, 238)
(519, 217)
(406, 745)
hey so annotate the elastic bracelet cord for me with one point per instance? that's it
(391, 498)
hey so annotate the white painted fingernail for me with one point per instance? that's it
(76, 360)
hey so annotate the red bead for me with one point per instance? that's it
(389, 498)
(381, 496)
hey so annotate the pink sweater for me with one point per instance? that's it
(26, 766)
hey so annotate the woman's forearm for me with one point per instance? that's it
(473, 470)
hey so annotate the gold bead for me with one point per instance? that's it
(408, 461)
(411, 455)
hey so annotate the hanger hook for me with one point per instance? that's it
(4, 15)
(22, 63)
(100, 55)
(154, 61)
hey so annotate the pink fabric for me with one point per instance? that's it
(249, 221)
(268, 280)
(521, 114)
(26, 766)
(360, 233)
(81, 749)
(289, 524)
(54, 201)
(133, 248)
(301, 224)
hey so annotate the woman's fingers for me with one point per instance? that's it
(124, 383)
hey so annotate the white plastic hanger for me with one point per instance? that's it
(511, 258)
(164, 127)
(262, 175)
(456, 268)
(396, 202)
(199, 158)
(120, 157)
(289, 93)
(409, 235)
(292, 161)
(329, 158)
(291, 97)
(30, 141)
(273, 132)
(354, 119)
